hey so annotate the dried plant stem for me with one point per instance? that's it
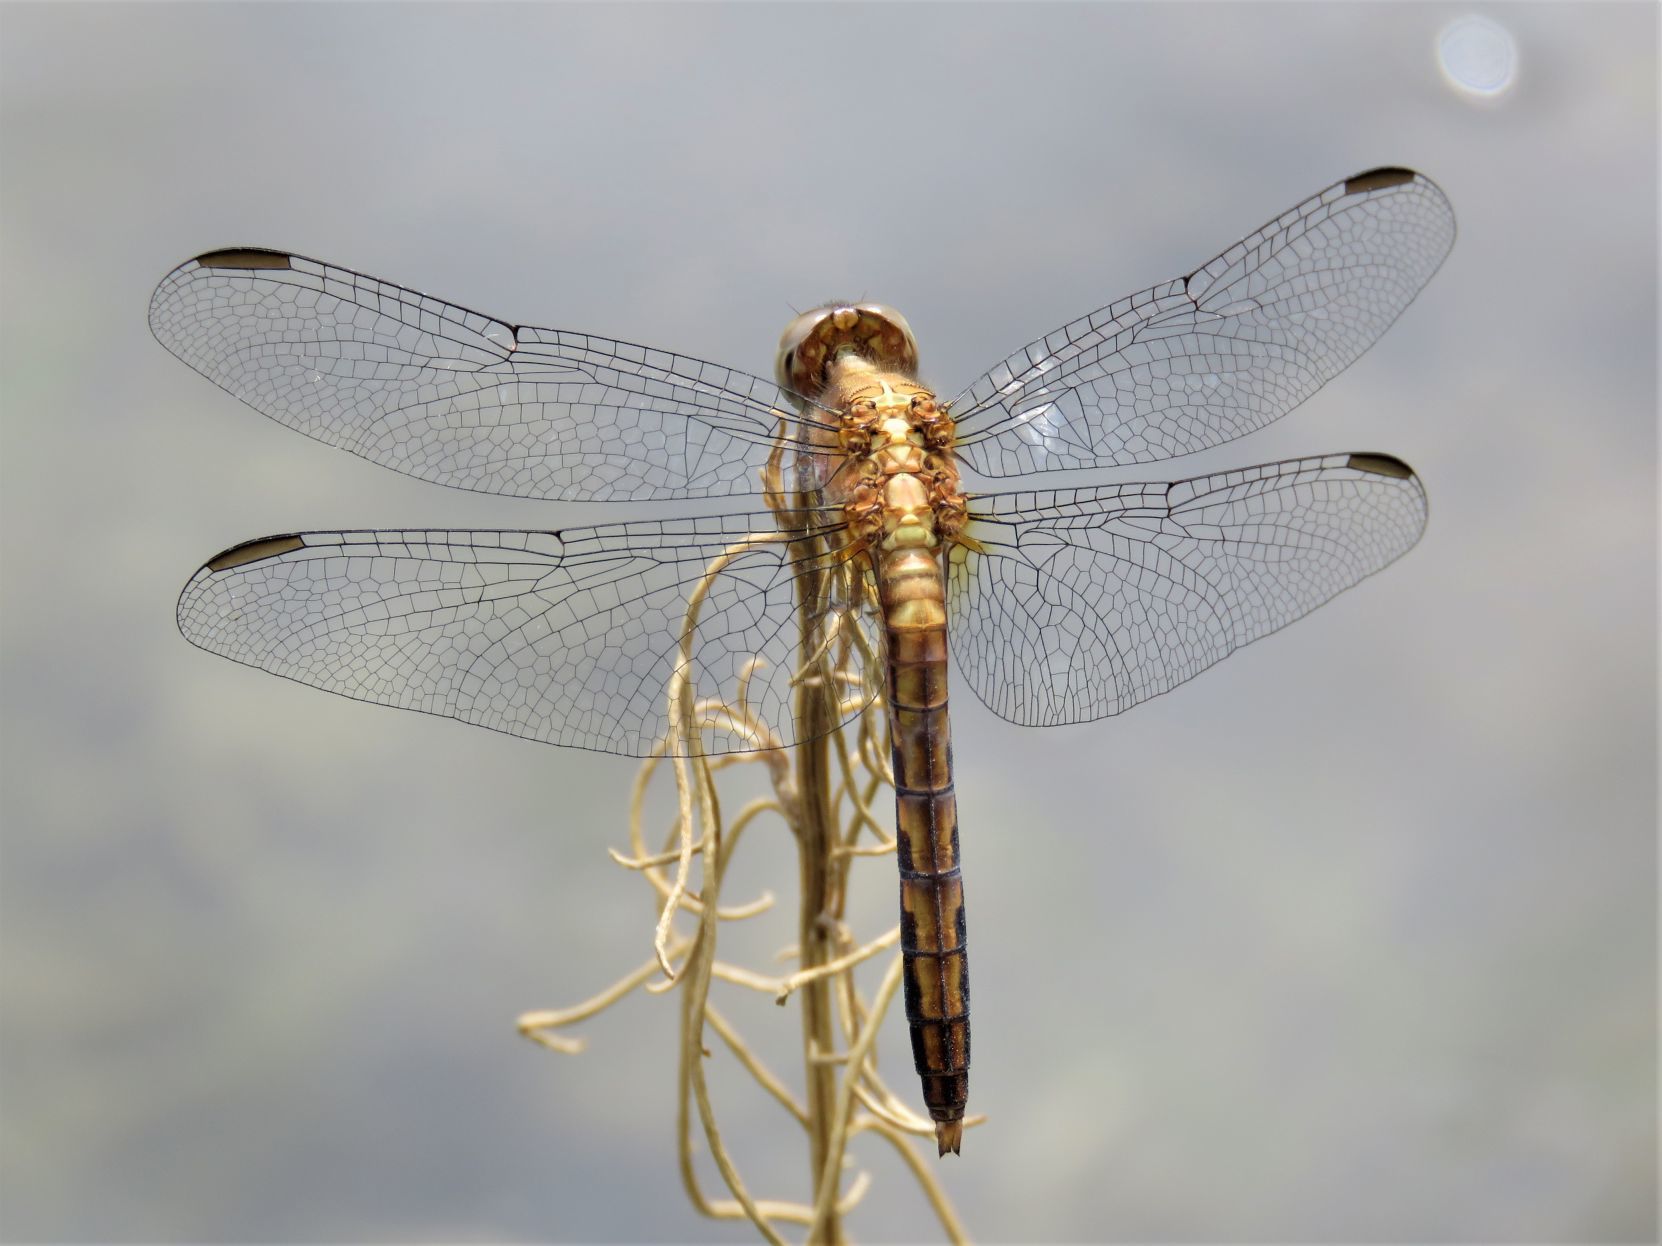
(816, 839)
(824, 791)
(838, 966)
(824, 1207)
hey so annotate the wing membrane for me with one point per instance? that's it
(1213, 355)
(1088, 601)
(566, 637)
(445, 394)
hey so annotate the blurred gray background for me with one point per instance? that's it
(1352, 939)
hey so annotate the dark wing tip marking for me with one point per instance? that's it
(1381, 465)
(245, 257)
(1378, 179)
(254, 551)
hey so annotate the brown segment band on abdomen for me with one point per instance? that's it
(932, 927)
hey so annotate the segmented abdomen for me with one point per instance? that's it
(910, 590)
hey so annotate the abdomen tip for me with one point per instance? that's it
(948, 1135)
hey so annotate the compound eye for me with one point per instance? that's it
(890, 343)
(787, 363)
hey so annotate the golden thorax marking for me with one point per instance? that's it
(905, 495)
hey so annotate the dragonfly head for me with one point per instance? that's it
(814, 340)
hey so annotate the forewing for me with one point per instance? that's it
(1213, 355)
(1088, 601)
(445, 394)
(569, 637)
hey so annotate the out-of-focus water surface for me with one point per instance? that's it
(1352, 939)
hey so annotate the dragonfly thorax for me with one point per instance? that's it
(900, 440)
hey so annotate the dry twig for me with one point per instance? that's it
(828, 819)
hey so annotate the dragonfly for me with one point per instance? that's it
(1057, 604)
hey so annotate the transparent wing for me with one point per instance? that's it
(449, 395)
(1207, 357)
(1088, 601)
(567, 637)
